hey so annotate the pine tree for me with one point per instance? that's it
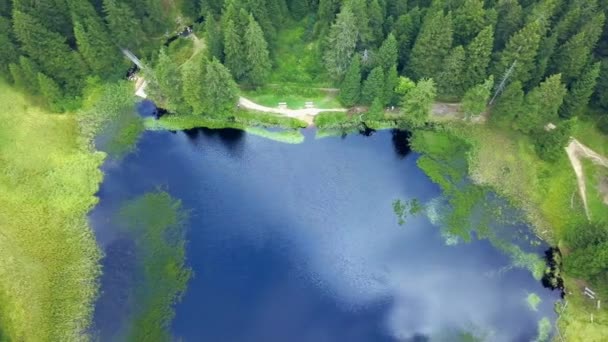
(54, 15)
(432, 45)
(450, 80)
(546, 51)
(510, 18)
(390, 83)
(376, 22)
(478, 54)
(165, 84)
(50, 51)
(469, 19)
(8, 52)
(257, 56)
(417, 102)
(508, 105)
(350, 89)
(220, 93)
(541, 104)
(51, 92)
(475, 100)
(326, 13)
(359, 10)
(96, 48)
(373, 87)
(522, 48)
(29, 71)
(580, 92)
(387, 54)
(575, 53)
(234, 58)
(124, 26)
(341, 43)
(213, 38)
(259, 10)
(376, 109)
(601, 90)
(192, 80)
(405, 31)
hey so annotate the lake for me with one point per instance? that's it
(300, 243)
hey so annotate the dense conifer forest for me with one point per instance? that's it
(519, 64)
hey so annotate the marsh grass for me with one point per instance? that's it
(49, 261)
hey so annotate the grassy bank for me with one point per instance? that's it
(252, 122)
(506, 162)
(48, 255)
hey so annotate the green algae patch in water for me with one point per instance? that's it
(156, 223)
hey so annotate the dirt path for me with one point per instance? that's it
(576, 151)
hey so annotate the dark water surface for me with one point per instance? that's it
(300, 243)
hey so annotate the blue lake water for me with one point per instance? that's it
(300, 243)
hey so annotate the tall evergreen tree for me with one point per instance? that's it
(165, 84)
(450, 80)
(373, 87)
(234, 57)
(220, 93)
(469, 19)
(326, 13)
(257, 56)
(478, 54)
(341, 43)
(54, 15)
(387, 54)
(192, 80)
(350, 89)
(580, 92)
(542, 104)
(417, 102)
(259, 10)
(8, 52)
(522, 49)
(96, 47)
(51, 92)
(546, 51)
(510, 18)
(391, 80)
(213, 37)
(50, 51)
(376, 22)
(601, 90)
(432, 45)
(475, 100)
(572, 57)
(405, 30)
(29, 71)
(360, 13)
(508, 105)
(124, 26)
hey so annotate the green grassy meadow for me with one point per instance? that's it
(49, 260)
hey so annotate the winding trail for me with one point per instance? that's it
(576, 151)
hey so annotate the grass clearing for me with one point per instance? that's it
(295, 97)
(49, 260)
(596, 181)
(297, 58)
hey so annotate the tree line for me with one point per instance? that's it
(554, 51)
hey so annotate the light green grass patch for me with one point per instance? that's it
(596, 186)
(49, 260)
(294, 96)
(533, 301)
(286, 136)
(297, 58)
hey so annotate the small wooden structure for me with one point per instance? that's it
(282, 105)
(309, 104)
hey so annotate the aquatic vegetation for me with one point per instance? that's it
(156, 222)
(403, 209)
(49, 260)
(284, 136)
(544, 330)
(533, 301)
(111, 119)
